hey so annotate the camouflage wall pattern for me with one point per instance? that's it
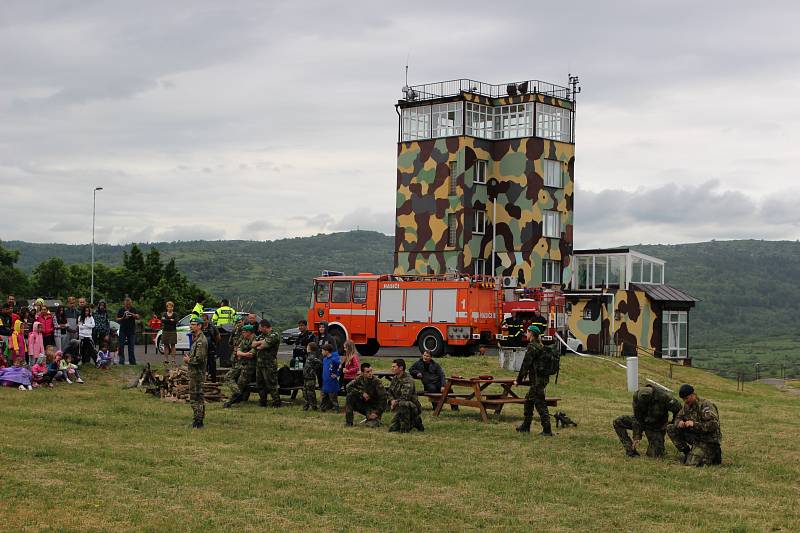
(424, 202)
(637, 322)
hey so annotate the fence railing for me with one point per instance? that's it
(440, 89)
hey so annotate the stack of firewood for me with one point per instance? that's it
(175, 387)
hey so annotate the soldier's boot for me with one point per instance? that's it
(631, 453)
(348, 417)
(306, 407)
(418, 423)
(546, 429)
(234, 399)
(525, 427)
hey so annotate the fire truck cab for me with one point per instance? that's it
(450, 313)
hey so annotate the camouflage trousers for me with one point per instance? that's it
(700, 452)
(655, 437)
(309, 391)
(267, 381)
(246, 377)
(405, 414)
(535, 399)
(196, 399)
(232, 377)
(355, 402)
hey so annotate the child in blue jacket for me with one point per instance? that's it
(330, 379)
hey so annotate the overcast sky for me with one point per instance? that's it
(264, 120)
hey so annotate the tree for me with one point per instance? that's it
(12, 280)
(153, 267)
(51, 278)
(133, 265)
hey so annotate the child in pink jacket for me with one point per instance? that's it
(35, 343)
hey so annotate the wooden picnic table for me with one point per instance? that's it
(478, 397)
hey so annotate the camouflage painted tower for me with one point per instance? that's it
(485, 180)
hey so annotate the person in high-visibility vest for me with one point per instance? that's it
(198, 306)
(224, 315)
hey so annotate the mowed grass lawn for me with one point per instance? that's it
(98, 457)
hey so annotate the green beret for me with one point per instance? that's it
(534, 329)
(196, 320)
(248, 327)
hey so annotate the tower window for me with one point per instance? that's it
(551, 271)
(447, 119)
(479, 223)
(479, 268)
(552, 173)
(453, 177)
(452, 225)
(551, 224)
(553, 123)
(480, 171)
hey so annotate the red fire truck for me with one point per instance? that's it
(439, 313)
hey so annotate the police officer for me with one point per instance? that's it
(196, 362)
(225, 315)
(197, 310)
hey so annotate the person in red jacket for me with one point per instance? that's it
(45, 318)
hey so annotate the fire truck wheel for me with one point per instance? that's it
(369, 349)
(431, 340)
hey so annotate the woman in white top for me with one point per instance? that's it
(85, 327)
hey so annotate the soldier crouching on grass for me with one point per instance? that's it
(366, 395)
(196, 361)
(651, 408)
(696, 431)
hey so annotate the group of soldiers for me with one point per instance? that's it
(256, 359)
(694, 428)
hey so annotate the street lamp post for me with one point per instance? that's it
(94, 204)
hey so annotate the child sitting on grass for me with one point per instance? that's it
(16, 376)
(103, 356)
(70, 370)
(53, 373)
(39, 370)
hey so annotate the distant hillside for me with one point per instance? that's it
(272, 276)
(748, 288)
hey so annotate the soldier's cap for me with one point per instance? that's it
(248, 327)
(534, 329)
(196, 320)
(685, 390)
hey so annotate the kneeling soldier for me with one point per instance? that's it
(651, 408)
(196, 361)
(696, 432)
(404, 402)
(366, 395)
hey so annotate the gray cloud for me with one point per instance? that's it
(276, 119)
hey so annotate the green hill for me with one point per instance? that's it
(747, 288)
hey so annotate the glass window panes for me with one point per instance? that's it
(552, 173)
(584, 266)
(479, 268)
(360, 292)
(416, 123)
(636, 270)
(513, 121)
(551, 224)
(616, 267)
(341, 292)
(551, 271)
(323, 292)
(553, 123)
(479, 120)
(600, 264)
(446, 119)
(658, 273)
(674, 333)
(479, 223)
(453, 177)
(452, 225)
(480, 171)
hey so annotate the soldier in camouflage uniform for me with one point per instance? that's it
(311, 370)
(535, 397)
(236, 365)
(403, 400)
(366, 395)
(246, 354)
(695, 430)
(266, 345)
(651, 408)
(196, 361)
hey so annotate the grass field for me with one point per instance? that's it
(777, 357)
(97, 457)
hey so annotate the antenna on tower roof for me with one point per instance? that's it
(410, 93)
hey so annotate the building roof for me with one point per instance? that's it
(664, 293)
